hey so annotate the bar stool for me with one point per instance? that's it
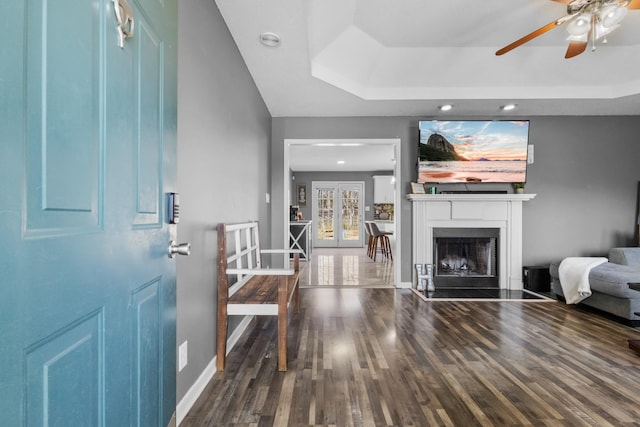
(383, 238)
(367, 228)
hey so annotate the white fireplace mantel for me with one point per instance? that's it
(464, 210)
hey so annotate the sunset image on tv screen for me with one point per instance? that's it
(472, 151)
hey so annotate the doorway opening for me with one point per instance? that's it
(347, 146)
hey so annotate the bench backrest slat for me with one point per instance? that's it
(245, 253)
(249, 244)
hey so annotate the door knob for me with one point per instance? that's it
(179, 249)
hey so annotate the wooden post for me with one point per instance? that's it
(296, 296)
(283, 284)
(223, 295)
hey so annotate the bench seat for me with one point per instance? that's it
(259, 296)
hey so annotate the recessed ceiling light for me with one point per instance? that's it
(445, 107)
(508, 107)
(270, 39)
(341, 162)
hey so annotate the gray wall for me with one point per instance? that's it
(585, 175)
(308, 177)
(224, 131)
(586, 178)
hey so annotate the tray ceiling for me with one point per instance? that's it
(406, 57)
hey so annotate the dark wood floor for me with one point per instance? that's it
(384, 357)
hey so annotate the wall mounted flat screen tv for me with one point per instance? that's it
(473, 151)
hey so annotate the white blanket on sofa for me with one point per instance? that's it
(574, 277)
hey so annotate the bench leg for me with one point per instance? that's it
(282, 341)
(221, 344)
(296, 298)
(282, 324)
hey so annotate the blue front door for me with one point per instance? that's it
(87, 156)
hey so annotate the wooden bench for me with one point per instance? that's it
(246, 288)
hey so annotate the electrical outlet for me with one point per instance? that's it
(182, 356)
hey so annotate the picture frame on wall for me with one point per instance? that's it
(301, 194)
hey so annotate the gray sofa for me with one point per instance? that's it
(609, 283)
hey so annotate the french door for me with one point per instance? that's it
(337, 214)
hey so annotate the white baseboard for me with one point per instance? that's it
(405, 285)
(190, 397)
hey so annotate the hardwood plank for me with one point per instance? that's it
(384, 357)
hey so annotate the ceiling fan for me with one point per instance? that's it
(588, 20)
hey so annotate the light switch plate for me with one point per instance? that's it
(530, 154)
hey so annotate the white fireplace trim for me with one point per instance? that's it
(502, 211)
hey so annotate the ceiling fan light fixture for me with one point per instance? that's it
(602, 31)
(611, 15)
(580, 25)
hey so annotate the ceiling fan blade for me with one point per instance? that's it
(528, 37)
(634, 4)
(576, 48)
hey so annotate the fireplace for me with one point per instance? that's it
(466, 257)
(501, 212)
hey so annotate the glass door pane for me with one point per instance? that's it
(350, 202)
(324, 216)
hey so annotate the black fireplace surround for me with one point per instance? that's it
(466, 257)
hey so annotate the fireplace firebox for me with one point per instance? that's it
(466, 257)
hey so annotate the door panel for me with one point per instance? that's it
(147, 353)
(149, 91)
(88, 291)
(66, 370)
(64, 159)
